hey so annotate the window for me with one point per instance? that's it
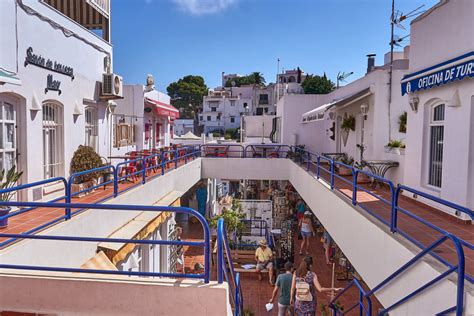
(263, 99)
(436, 127)
(124, 132)
(53, 131)
(208, 117)
(232, 119)
(232, 102)
(8, 143)
(213, 109)
(200, 117)
(92, 128)
(266, 110)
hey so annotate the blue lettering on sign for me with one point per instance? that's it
(460, 71)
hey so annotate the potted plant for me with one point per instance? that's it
(297, 154)
(7, 181)
(232, 220)
(348, 124)
(361, 177)
(85, 158)
(402, 123)
(343, 170)
(395, 147)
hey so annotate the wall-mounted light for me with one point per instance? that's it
(111, 106)
(414, 101)
(35, 104)
(364, 109)
(77, 109)
(332, 115)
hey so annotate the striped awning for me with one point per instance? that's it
(162, 109)
(317, 114)
(99, 262)
(139, 228)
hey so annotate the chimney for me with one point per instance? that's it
(370, 62)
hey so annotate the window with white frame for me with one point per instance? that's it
(53, 135)
(8, 144)
(436, 130)
(91, 126)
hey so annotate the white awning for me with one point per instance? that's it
(317, 114)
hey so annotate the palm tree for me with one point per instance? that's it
(257, 78)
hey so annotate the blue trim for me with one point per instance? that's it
(437, 65)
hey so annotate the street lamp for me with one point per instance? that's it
(242, 115)
(364, 109)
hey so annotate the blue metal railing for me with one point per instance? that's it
(125, 208)
(227, 270)
(363, 310)
(115, 171)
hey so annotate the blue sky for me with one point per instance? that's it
(174, 38)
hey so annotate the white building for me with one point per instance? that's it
(317, 120)
(143, 119)
(182, 126)
(52, 100)
(440, 133)
(222, 110)
(289, 82)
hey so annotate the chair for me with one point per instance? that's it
(131, 167)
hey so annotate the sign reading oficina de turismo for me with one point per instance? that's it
(454, 69)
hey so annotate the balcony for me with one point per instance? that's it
(93, 15)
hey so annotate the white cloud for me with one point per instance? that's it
(202, 7)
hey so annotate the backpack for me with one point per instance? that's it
(303, 291)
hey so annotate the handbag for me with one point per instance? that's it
(303, 292)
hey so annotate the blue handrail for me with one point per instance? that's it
(224, 255)
(126, 208)
(362, 297)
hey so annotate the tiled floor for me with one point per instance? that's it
(257, 293)
(37, 217)
(413, 228)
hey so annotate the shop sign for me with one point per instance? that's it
(40, 61)
(455, 69)
(52, 85)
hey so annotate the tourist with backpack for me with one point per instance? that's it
(303, 289)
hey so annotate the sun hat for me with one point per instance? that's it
(263, 242)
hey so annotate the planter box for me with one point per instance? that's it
(78, 187)
(343, 171)
(395, 150)
(362, 178)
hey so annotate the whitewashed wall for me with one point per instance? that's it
(439, 35)
(19, 28)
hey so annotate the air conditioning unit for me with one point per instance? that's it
(112, 85)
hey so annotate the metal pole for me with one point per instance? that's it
(390, 73)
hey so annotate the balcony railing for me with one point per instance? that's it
(102, 6)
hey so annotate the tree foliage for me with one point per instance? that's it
(186, 94)
(314, 84)
(253, 78)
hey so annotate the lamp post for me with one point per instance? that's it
(242, 116)
(364, 109)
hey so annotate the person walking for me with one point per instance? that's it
(300, 209)
(306, 231)
(283, 285)
(304, 285)
(264, 256)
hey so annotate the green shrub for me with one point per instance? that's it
(396, 144)
(85, 158)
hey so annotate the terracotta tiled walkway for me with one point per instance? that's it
(413, 228)
(257, 293)
(40, 216)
